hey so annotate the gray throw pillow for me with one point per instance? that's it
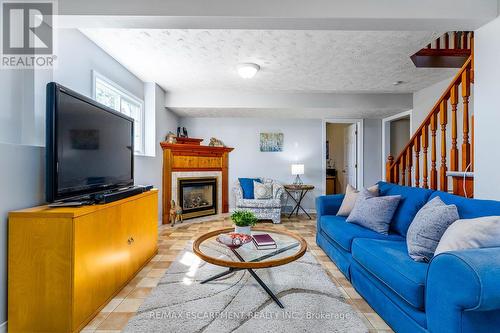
(475, 233)
(428, 227)
(262, 190)
(351, 195)
(374, 212)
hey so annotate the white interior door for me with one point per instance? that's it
(350, 156)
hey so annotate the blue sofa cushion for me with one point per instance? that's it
(247, 186)
(469, 208)
(343, 233)
(389, 262)
(412, 199)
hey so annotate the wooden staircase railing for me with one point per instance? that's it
(454, 40)
(451, 50)
(414, 166)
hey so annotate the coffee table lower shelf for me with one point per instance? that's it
(252, 272)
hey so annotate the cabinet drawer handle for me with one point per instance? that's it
(132, 239)
(129, 241)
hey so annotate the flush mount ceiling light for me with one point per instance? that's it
(248, 70)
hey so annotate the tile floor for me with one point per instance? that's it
(115, 315)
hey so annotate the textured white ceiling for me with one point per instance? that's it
(292, 61)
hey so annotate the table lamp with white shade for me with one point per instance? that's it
(297, 170)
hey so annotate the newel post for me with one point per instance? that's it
(388, 167)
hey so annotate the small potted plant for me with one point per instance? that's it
(243, 221)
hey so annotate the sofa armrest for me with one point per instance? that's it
(461, 282)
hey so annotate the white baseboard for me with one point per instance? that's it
(308, 210)
(3, 327)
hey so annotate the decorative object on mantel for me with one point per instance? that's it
(170, 138)
(297, 170)
(243, 221)
(233, 240)
(214, 142)
(182, 132)
(271, 142)
(188, 155)
(175, 213)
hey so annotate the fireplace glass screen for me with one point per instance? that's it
(198, 196)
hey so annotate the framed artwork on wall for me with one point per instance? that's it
(271, 142)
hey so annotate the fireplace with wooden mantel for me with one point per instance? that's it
(196, 177)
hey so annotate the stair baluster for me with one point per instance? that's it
(395, 178)
(425, 145)
(416, 146)
(433, 152)
(403, 169)
(409, 163)
(443, 120)
(466, 80)
(454, 149)
(388, 173)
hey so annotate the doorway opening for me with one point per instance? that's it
(396, 133)
(343, 153)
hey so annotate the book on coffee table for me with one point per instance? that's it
(264, 242)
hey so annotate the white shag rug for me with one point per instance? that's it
(237, 303)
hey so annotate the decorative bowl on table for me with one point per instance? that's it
(233, 240)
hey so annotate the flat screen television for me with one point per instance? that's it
(90, 147)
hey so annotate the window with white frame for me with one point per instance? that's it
(110, 94)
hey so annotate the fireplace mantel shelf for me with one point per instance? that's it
(194, 148)
(188, 155)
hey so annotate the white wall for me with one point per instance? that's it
(425, 99)
(400, 135)
(372, 148)
(22, 185)
(78, 56)
(390, 15)
(487, 112)
(17, 118)
(303, 143)
(22, 157)
(149, 169)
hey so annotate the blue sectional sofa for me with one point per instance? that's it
(456, 292)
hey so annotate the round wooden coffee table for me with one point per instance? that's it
(289, 247)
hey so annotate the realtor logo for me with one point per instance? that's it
(27, 34)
